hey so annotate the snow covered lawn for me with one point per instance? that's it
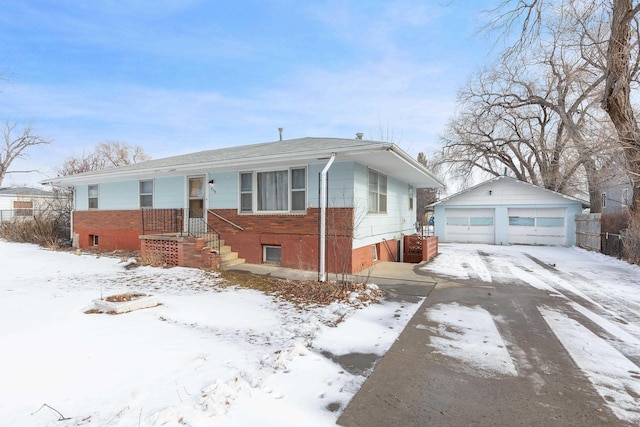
(208, 355)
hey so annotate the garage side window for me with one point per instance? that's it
(480, 221)
(522, 221)
(550, 222)
(457, 220)
(93, 197)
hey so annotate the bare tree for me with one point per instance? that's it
(614, 52)
(538, 126)
(105, 155)
(15, 143)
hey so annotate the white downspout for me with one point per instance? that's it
(322, 273)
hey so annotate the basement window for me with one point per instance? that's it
(93, 238)
(271, 254)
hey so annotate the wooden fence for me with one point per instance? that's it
(588, 231)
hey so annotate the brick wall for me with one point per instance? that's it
(296, 234)
(429, 248)
(177, 251)
(115, 229)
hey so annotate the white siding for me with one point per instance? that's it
(225, 193)
(82, 197)
(506, 192)
(118, 195)
(374, 227)
(168, 192)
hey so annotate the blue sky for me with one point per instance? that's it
(190, 75)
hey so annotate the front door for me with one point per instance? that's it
(197, 220)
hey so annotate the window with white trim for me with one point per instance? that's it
(93, 196)
(246, 192)
(625, 196)
(274, 191)
(604, 200)
(377, 192)
(146, 193)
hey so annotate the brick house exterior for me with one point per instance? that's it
(369, 204)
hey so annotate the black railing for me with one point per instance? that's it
(180, 222)
(162, 221)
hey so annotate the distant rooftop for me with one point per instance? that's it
(23, 191)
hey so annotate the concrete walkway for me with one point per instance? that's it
(397, 278)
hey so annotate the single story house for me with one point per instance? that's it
(506, 211)
(324, 204)
(21, 202)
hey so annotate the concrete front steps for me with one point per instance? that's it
(227, 257)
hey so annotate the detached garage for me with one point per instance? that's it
(506, 211)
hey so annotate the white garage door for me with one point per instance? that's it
(537, 226)
(469, 225)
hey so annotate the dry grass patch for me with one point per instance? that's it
(305, 291)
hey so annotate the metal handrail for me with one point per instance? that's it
(217, 215)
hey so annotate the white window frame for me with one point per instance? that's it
(141, 194)
(96, 197)
(625, 196)
(253, 191)
(378, 194)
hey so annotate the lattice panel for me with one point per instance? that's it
(413, 245)
(164, 250)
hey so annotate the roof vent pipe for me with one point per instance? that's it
(280, 131)
(359, 135)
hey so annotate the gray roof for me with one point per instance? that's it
(24, 191)
(385, 157)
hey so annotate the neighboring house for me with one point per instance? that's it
(505, 211)
(21, 202)
(616, 193)
(264, 200)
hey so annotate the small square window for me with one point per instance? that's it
(93, 238)
(271, 254)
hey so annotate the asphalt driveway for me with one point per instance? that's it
(518, 336)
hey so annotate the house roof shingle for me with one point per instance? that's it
(386, 157)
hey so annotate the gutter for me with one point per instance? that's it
(322, 270)
(412, 162)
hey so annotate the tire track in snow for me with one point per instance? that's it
(614, 376)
